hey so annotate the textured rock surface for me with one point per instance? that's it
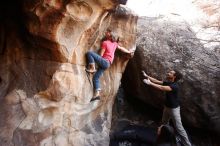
(45, 91)
(164, 43)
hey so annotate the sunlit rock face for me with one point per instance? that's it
(164, 43)
(45, 92)
(208, 23)
(202, 15)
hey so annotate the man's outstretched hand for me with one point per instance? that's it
(144, 74)
(147, 81)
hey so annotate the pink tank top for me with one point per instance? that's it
(109, 48)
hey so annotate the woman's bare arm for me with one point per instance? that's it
(125, 50)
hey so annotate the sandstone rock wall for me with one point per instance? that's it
(45, 91)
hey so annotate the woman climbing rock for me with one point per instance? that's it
(104, 60)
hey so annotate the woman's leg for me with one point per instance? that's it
(103, 65)
(96, 77)
(91, 62)
(94, 57)
(96, 84)
(89, 55)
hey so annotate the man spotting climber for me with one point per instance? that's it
(172, 105)
(104, 60)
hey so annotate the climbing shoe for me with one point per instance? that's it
(95, 98)
(90, 70)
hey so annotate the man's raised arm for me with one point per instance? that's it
(152, 79)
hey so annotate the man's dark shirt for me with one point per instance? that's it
(172, 98)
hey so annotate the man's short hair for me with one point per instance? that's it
(178, 75)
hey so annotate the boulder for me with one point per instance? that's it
(165, 43)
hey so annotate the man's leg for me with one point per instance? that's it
(166, 115)
(175, 115)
